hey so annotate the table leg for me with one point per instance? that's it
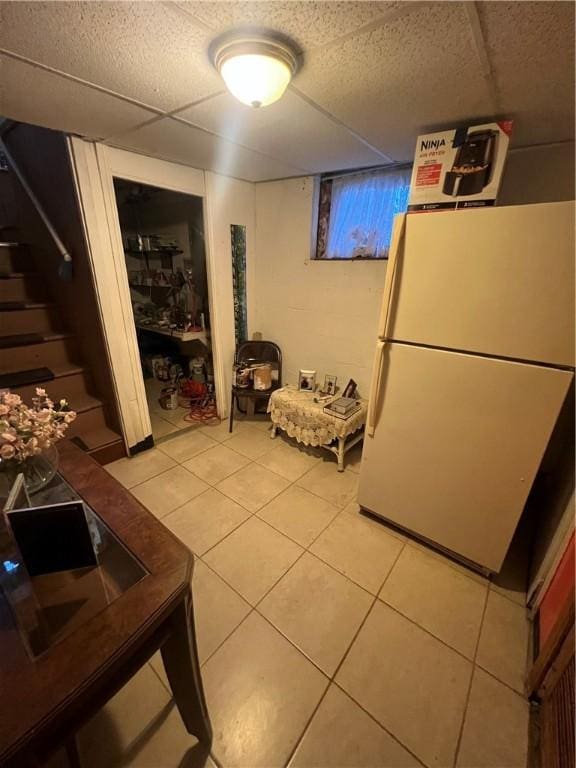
(180, 657)
(341, 452)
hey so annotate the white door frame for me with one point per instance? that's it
(95, 167)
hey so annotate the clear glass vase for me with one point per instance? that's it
(37, 470)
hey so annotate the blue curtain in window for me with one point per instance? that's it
(362, 212)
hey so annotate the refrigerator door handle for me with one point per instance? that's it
(395, 245)
(374, 388)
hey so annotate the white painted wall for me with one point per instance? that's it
(539, 175)
(324, 314)
(229, 201)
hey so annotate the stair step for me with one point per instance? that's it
(34, 351)
(14, 257)
(17, 380)
(25, 378)
(20, 340)
(43, 319)
(19, 275)
(91, 417)
(15, 306)
(103, 444)
(85, 403)
(69, 383)
(97, 438)
(24, 287)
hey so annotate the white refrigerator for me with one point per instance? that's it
(474, 358)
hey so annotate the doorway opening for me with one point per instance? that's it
(163, 239)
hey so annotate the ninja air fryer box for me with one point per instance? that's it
(459, 168)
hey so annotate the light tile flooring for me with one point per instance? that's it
(164, 422)
(326, 638)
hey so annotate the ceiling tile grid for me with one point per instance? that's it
(147, 51)
(309, 24)
(63, 104)
(171, 139)
(375, 74)
(275, 129)
(533, 73)
(412, 72)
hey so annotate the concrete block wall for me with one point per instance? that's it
(322, 314)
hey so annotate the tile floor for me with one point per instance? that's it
(326, 638)
(164, 422)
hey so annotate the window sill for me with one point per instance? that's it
(350, 260)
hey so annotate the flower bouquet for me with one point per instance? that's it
(27, 437)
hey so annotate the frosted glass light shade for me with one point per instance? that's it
(255, 79)
(255, 67)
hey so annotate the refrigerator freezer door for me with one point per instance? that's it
(396, 246)
(499, 281)
(457, 443)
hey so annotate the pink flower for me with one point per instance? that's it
(7, 452)
(27, 430)
(12, 400)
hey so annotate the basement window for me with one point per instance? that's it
(356, 212)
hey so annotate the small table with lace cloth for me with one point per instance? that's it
(296, 413)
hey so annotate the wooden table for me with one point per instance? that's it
(301, 415)
(45, 700)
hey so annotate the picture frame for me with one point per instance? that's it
(306, 381)
(350, 390)
(329, 384)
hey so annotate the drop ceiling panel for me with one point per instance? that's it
(531, 48)
(279, 130)
(419, 69)
(173, 140)
(414, 66)
(34, 95)
(148, 51)
(307, 23)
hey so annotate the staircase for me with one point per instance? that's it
(36, 350)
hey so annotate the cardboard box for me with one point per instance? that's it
(459, 168)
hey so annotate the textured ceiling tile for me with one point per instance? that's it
(182, 143)
(33, 95)
(290, 130)
(531, 48)
(147, 51)
(415, 71)
(418, 69)
(307, 23)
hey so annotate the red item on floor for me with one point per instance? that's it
(195, 396)
(192, 389)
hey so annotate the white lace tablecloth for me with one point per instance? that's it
(300, 417)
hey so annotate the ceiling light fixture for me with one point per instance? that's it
(255, 68)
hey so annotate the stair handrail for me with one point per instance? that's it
(65, 268)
